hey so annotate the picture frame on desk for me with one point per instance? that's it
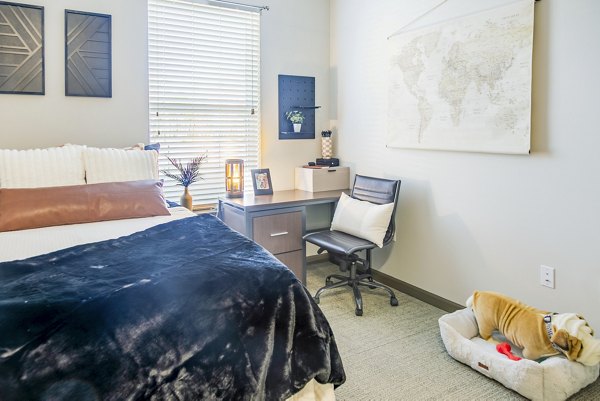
(261, 181)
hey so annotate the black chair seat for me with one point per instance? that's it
(338, 242)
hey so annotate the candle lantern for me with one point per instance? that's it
(234, 178)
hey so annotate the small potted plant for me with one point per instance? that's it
(187, 174)
(296, 118)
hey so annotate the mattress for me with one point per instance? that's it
(24, 244)
(553, 379)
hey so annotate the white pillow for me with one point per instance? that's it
(116, 165)
(362, 219)
(35, 168)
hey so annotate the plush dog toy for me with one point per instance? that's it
(539, 333)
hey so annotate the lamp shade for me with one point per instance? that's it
(234, 178)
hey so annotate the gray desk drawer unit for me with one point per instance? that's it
(278, 221)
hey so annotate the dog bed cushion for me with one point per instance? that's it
(555, 378)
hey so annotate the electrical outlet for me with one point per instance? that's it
(547, 276)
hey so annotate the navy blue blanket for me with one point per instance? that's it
(187, 310)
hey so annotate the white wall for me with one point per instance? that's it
(471, 221)
(38, 121)
(294, 41)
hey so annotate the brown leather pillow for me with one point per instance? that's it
(26, 208)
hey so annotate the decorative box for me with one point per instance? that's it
(322, 179)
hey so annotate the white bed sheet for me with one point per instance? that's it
(17, 245)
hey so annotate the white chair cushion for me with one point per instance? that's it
(35, 168)
(116, 165)
(362, 219)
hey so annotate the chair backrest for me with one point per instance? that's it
(379, 191)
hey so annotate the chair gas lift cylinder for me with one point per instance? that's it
(234, 178)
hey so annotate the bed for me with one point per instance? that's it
(169, 307)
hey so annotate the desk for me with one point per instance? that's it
(278, 221)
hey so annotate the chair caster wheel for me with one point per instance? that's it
(358, 312)
(372, 287)
(394, 301)
(317, 300)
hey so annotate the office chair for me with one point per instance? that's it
(343, 248)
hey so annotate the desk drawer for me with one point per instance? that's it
(295, 262)
(279, 232)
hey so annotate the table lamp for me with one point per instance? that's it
(234, 178)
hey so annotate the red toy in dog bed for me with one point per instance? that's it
(505, 348)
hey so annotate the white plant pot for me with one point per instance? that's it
(297, 127)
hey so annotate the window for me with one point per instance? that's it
(204, 89)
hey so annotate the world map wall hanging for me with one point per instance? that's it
(464, 84)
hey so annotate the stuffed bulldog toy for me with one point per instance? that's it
(539, 333)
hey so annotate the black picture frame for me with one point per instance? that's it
(261, 181)
(26, 63)
(88, 54)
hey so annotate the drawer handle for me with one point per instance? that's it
(279, 234)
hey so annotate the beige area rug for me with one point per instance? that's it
(396, 353)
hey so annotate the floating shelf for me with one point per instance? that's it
(295, 135)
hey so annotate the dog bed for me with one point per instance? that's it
(555, 378)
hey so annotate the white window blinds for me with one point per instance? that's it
(204, 90)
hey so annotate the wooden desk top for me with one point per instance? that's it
(293, 197)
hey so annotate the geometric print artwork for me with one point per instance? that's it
(21, 49)
(88, 64)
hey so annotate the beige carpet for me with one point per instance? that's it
(396, 353)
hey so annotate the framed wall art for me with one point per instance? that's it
(261, 181)
(88, 54)
(21, 49)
